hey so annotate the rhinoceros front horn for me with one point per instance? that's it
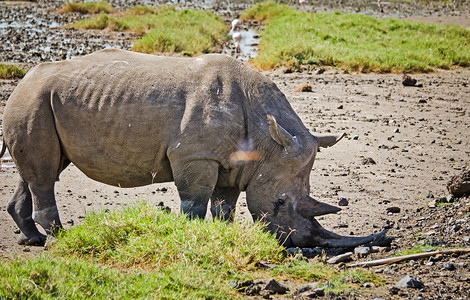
(309, 208)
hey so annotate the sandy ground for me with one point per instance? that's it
(418, 138)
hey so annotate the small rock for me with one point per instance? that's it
(252, 290)
(408, 81)
(393, 210)
(368, 161)
(302, 290)
(368, 285)
(267, 265)
(305, 88)
(394, 290)
(410, 282)
(245, 284)
(340, 258)
(459, 185)
(233, 283)
(294, 251)
(343, 202)
(449, 266)
(276, 287)
(362, 251)
(341, 106)
(320, 292)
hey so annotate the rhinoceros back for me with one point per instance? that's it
(118, 114)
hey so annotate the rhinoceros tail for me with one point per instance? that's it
(4, 148)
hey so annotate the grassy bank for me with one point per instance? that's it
(165, 29)
(144, 253)
(11, 72)
(355, 42)
(87, 7)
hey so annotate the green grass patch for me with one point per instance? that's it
(339, 280)
(152, 239)
(418, 249)
(86, 7)
(11, 72)
(165, 29)
(355, 42)
(142, 252)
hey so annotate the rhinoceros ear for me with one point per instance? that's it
(326, 141)
(282, 137)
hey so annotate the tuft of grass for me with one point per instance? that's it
(87, 7)
(187, 31)
(165, 29)
(101, 22)
(418, 249)
(154, 239)
(11, 72)
(142, 252)
(50, 276)
(320, 272)
(355, 42)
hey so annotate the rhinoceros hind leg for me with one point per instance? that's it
(20, 207)
(39, 240)
(195, 181)
(223, 202)
(45, 211)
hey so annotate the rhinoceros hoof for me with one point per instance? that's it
(37, 240)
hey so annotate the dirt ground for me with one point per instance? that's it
(417, 137)
(403, 146)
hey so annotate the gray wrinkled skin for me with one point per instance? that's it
(210, 124)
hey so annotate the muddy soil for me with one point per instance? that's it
(403, 145)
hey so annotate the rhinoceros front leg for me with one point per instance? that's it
(195, 181)
(20, 207)
(223, 202)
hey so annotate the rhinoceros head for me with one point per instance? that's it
(279, 192)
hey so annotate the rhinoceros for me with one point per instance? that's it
(211, 124)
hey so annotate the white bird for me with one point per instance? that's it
(237, 37)
(236, 24)
(303, 2)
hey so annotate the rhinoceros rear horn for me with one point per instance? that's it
(310, 208)
(282, 137)
(326, 141)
